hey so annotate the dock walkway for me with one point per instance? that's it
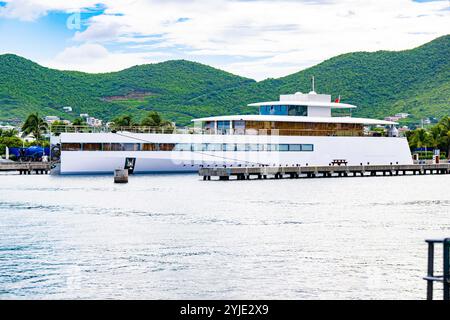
(26, 167)
(294, 172)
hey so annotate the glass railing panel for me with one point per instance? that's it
(56, 130)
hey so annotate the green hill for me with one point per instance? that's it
(27, 87)
(382, 83)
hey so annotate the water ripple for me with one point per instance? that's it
(176, 237)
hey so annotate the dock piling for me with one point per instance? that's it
(121, 176)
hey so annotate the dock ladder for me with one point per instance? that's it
(445, 278)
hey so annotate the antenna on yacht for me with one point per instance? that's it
(313, 85)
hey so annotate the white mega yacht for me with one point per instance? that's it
(299, 129)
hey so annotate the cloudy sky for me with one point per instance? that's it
(254, 38)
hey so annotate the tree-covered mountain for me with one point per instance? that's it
(167, 87)
(381, 83)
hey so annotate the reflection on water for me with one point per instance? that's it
(176, 237)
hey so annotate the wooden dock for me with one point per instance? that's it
(295, 172)
(26, 167)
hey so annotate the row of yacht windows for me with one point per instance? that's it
(185, 147)
(284, 110)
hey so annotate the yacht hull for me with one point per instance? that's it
(354, 150)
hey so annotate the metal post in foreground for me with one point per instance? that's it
(430, 271)
(445, 278)
(446, 256)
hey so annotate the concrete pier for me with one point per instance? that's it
(26, 167)
(295, 172)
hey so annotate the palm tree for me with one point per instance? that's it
(444, 137)
(435, 136)
(153, 119)
(78, 122)
(34, 125)
(124, 121)
(419, 138)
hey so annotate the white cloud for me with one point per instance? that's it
(30, 10)
(259, 38)
(96, 58)
(23, 10)
(100, 32)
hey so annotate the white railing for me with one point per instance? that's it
(56, 130)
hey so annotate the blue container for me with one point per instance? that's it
(33, 153)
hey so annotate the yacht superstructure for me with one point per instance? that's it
(299, 129)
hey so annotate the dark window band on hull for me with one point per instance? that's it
(191, 147)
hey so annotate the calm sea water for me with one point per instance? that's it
(176, 237)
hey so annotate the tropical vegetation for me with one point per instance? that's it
(34, 125)
(10, 139)
(123, 121)
(152, 120)
(435, 137)
(380, 83)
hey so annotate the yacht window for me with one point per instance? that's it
(199, 147)
(251, 147)
(116, 147)
(149, 147)
(214, 147)
(284, 110)
(92, 147)
(223, 126)
(283, 147)
(229, 147)
(183, 147)
(274, 110)
(239, 127)
(71, 147)
(272, 147)
(130, 146)
(298, 111)
(166, 146)
(209, 125)
(267, 110)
